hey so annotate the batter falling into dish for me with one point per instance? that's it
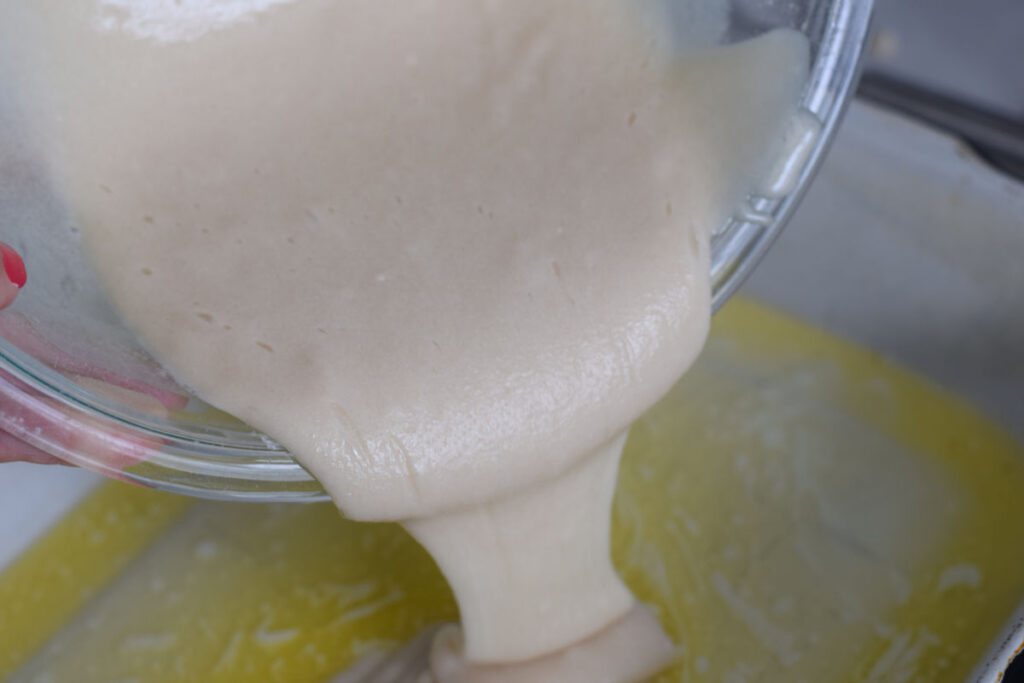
(446, 253)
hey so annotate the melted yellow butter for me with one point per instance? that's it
(797, 509)
(41, 591)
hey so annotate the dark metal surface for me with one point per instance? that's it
(995, 137)
(1015, 674)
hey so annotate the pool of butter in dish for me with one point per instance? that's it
(818, 515)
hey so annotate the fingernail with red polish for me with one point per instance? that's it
(14, 267)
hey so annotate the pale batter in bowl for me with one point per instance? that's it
(445, 254)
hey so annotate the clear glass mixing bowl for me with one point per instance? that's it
(62, 327)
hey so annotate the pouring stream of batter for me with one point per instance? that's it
(445, 252)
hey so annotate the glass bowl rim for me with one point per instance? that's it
(242, 464)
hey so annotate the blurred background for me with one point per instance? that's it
(956, 64)
(970, 48)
